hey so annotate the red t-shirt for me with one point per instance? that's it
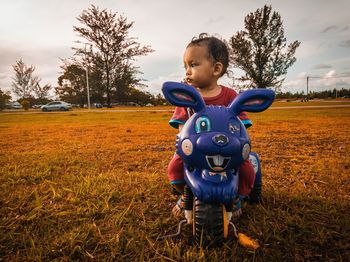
(226, 96)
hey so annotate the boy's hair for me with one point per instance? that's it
(217, 49)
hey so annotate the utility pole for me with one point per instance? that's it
(307, 88)
(87, 79)
(336, 90)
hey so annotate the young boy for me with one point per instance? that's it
(205, 60)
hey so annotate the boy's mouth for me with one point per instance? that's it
(188, 80)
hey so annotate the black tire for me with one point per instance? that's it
(208, 224)
(63, 109)
(44, 109)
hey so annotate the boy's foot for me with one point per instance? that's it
(179, 207)
(236, 209)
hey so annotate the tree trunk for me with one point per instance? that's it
(107, 86)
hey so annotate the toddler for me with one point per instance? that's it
(206, 60)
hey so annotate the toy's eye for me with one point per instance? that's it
(233, 128)
(203, 124)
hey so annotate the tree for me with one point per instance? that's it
(5, 98)
(139, 97)
(109, 35)
(124, 81)
(159, 100)
(96, 77)
(261, 50)
(72, 84)
(24, 81)
(41, 93)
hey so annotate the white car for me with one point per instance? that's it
(16, 105)
(56, 106)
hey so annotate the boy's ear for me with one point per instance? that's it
(183, 95)
(218, 68)
(254, 100)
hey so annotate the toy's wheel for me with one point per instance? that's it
(209, 224)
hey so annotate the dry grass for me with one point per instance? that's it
(92, 186)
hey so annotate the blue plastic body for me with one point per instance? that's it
(214, 142)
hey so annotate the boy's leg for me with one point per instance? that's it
(246, 178)
(175, 173)
(179, 189)
(245, 186)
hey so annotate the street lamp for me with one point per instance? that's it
(87, 78)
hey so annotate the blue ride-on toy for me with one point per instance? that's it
(213, 143)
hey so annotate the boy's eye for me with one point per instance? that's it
(203, 124)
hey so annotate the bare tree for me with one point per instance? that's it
(42, 92)
(24, 81)
(109, 35)
(261, 50)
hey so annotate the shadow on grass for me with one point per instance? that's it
(105, 218)
(288, 228)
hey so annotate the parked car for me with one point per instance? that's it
(98, 105)
(56, 106)
(16, 105)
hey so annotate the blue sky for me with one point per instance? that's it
(40, 32)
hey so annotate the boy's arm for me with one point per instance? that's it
(179, 117)
(180, 127)
(245, 120)
(247, 123)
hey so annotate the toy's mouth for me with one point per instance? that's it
(218, 162)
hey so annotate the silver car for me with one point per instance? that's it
(56, 106)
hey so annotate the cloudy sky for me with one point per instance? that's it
(40, 32)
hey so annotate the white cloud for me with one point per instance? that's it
(329, 80)
(155, 85)
(330, 74)
(302, 75)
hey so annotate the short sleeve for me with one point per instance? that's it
(245, 119)
(179, 117)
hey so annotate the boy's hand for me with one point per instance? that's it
(180, 127)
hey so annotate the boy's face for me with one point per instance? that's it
(200, 69)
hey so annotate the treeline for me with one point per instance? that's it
(335, 93)
(5, 97)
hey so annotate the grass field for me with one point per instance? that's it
(92, 186)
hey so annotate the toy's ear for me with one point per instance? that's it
(255, 100)
(183, 95)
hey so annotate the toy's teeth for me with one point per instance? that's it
(218, 160)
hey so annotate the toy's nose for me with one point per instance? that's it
(220, 140)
